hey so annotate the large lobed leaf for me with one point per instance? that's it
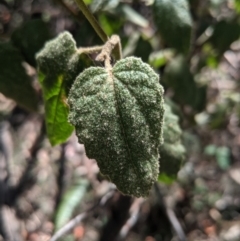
(14, 81)
(118, 115)
(59, 64)
(174, 23)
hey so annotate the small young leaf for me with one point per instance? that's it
(59, 64)
(30, 38)
(174, 23)
(14, 82)
(118, 115)
(172, 152)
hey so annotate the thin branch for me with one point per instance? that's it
(134, 216)
(176, 225)
(90, 50)
(117, 51)
(69, 226)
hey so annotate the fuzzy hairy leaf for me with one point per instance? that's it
(174, 23)
(59, 64)
(118, 115)
(172, 152)
(14, 82)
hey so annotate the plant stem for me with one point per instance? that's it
(107, 49)
(117, 52)
(90, 50)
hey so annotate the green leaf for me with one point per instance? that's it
(174, 23)
(59, 64)
(172, 152)
(70, 201)
(118, 115)
(166, 179)
(14, 82)
(56, 109)
(30, 38)
(177, 75)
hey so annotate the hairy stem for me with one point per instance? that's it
(107, 49)
(90, 50)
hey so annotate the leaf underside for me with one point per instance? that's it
(118, 115)
(59, 64)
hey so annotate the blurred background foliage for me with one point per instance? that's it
(194, 45)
